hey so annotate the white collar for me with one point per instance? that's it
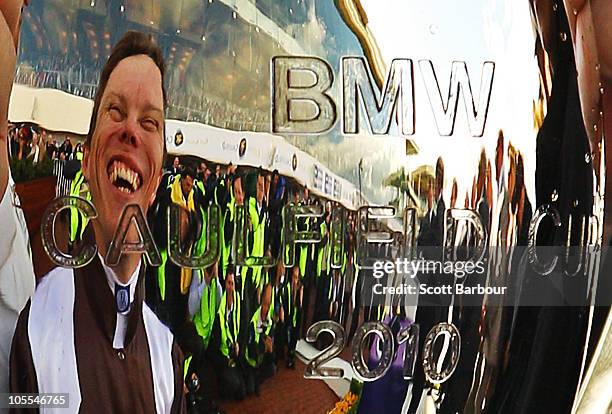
(112, 278)
(263, 318)
(263, 322)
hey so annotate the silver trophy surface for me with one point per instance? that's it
(481, 123)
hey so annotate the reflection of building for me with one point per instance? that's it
(218, 55)
(217, 51)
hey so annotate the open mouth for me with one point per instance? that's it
(123, 177)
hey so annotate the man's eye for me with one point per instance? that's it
(115, 113)
(150, 124)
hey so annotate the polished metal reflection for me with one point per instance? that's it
(287, 93)
(411, 337)
(454, 218)
(187, 257)
(384, 335)
(535, 77)
(540, 213)
(316, 368)
(338, 231)
(446, 112)
(432, 362)
(48, 225)
(398, 94)
(132, 217)
(293, 236)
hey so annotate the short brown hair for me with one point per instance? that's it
(131, 44)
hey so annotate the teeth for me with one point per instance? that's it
(120, 170)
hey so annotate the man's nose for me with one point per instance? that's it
(131, 133)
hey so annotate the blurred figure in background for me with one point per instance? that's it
(259, 353)
(175, 169)
(292, 313)
(228, 343)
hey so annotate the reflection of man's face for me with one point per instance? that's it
(124, 161)
(260, 188)
(238, 194)
(229, 284)
(186, 185)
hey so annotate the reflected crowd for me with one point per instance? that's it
(237, 325)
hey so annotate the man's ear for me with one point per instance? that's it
(85, 164)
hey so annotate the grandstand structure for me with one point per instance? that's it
(217, 52)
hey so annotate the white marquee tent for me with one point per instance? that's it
(259, 149)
